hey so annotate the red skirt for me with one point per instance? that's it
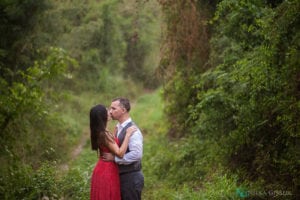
(105, 181)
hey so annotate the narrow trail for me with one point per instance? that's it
(80, 146)
(77, 150)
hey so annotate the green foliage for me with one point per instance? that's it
(16, 181)
(23, 182)
(26, 94)
(265, 95)
(179, 169)
(185, 55)
(231, 92)
(30, 132)
(18, 19)
(99, 36)
(244, 110)
(76, 184)
(45, 94)
(93, 37)
(45, 183)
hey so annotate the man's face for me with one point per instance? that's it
(115, 110)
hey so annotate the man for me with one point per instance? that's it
(131, 176)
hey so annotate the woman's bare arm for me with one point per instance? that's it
(120, 151)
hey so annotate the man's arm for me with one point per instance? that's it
(108, 157)
(135, 147)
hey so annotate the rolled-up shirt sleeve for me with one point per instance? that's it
(135, 149)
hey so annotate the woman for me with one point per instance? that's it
(105, 183)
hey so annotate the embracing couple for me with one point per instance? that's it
(117, 174)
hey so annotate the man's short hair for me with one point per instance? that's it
(124, 102)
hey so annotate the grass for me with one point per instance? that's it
(147, 112)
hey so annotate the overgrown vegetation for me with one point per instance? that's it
(236, 110)
(227, 126)
(57, 59)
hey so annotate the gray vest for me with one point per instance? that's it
(135, 166)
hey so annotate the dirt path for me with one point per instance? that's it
(77, 150)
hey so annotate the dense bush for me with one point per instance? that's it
(17, 24)
(243, 106)
(45, 95)
(25, 109)
(48, 182)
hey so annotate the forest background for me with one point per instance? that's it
(215, 88)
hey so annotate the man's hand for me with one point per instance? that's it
(108, 157)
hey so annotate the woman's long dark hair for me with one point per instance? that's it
(98, 122)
